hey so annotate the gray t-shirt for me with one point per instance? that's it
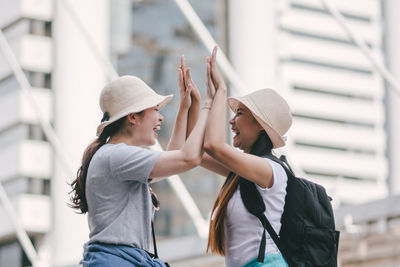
(117, 193)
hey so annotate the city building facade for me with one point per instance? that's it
(343, 135)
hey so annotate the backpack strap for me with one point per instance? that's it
(154, 240)
(267, 225)
(255, 205)
(283, 162)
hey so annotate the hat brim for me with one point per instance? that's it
(156, 100)
(276, 139)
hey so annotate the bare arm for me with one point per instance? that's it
(179, 132)
(194, 109)
(207, 161)
(193, 115)
(189, 156)
(248, 166)
(215, 166)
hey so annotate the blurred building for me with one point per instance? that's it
(25, 157)
(337, 97)
(341, 124)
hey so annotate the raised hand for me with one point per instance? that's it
(210, 85)
(184, 91)
(187, 84)
(194, 93)
(216, 77)
(179, 133)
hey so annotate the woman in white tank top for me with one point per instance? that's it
(261, 119)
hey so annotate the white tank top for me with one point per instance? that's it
(243, 231)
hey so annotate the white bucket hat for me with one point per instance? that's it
(125, 95)
(270, 110)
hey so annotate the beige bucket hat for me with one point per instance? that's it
(270, 110)
(125, 95)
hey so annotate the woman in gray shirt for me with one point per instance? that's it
(112, 185)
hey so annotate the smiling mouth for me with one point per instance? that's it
(237, 133)
(155, 129)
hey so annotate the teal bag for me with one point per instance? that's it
(270, 260)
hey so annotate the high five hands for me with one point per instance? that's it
(189, 92)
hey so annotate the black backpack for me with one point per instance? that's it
(307, 236)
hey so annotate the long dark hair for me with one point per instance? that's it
(78, 198)
(216, 238)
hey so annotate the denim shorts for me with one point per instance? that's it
(106, 255)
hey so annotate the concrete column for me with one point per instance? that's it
(392, 45)
(252, 41)
(77, 81)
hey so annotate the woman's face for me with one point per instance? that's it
(245, 127)
(148, 123)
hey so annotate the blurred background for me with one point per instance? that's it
(336, 62)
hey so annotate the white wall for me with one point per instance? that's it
(252, 41)
(77, 81)
(392, 46)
